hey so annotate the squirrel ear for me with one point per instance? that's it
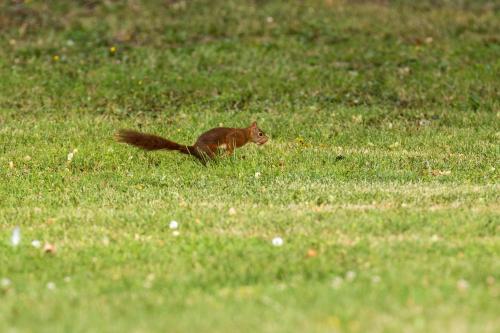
(254, 124)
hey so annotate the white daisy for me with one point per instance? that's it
(173, 225)
(277, 241)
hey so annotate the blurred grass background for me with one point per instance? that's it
(383, 161)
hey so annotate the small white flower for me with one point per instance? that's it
(350, 275)
(36, 243)
(51, 286)
(257, 174)
(16, 236)
(175, 233)
(337, 282)
(72, 154)
(5, 282)
(277, 241)
(462, 285)
(375, 279)
(232, 211)
(173, 224)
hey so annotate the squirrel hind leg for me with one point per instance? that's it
(206, 151)
(195, 151)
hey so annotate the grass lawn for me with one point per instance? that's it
(381, 175)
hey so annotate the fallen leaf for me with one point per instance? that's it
(311, 253)
(49, 248)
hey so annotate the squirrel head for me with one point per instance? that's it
(257, 135)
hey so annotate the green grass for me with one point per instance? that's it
(407, 93)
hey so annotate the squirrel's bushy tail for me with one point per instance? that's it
(153, 142)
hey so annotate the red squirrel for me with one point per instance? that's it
(205, 148)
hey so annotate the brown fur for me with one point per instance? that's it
(206, 147)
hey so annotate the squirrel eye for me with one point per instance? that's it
(260, 133)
